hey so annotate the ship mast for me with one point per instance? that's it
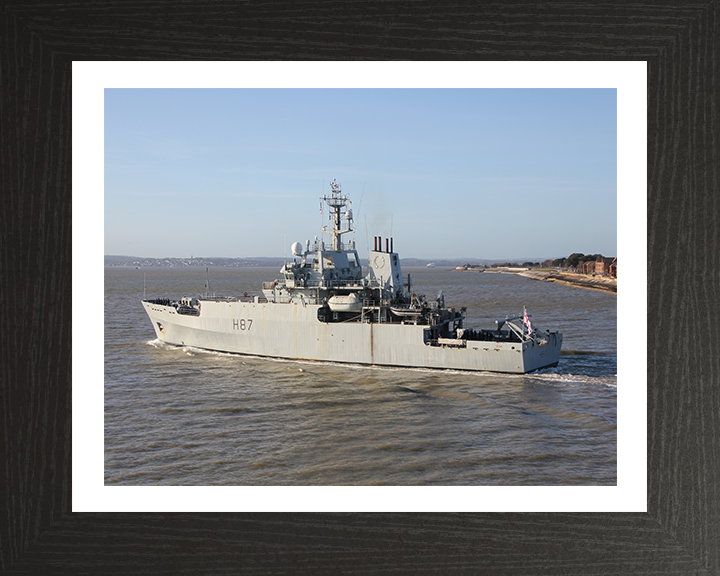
(337, 202)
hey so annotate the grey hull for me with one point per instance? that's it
(292, 330)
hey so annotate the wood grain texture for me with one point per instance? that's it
(681, 531)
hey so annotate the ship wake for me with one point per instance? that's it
(568, 376)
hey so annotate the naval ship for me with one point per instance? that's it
(324, 308)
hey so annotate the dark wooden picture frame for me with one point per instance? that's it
(681, 530)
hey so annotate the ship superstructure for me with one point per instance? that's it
(324, 308)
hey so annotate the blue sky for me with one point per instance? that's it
(450, 173)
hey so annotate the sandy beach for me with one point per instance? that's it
(601, 283)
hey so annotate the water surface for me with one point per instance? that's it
(181, 416)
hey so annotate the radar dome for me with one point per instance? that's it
(297, 249)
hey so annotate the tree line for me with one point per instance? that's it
(575, 259)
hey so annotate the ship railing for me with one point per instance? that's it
(259, 299)
(244, 298)
(351, 283)
(381, 306)
(213, 297)
(356, 283)
(312, 299)
(369, 303)
(324, 246)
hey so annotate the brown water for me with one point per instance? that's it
(179, 416)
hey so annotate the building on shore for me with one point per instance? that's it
(601, 267)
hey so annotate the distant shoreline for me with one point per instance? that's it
(599, 283)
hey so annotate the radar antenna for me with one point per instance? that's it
(337, 202)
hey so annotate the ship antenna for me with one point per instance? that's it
(207, 283)
(144, 285)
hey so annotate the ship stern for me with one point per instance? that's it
(542, 353)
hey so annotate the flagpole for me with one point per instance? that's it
(526, 320)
